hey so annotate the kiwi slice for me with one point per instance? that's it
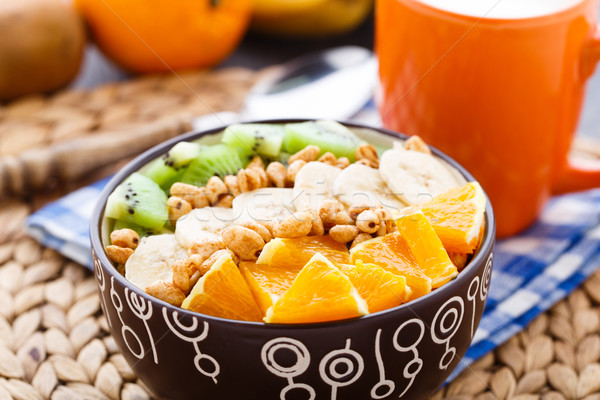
(216, 160)
(138, 200)
(162, 174)
(182, 154)
(167, 169)
(328, 135)
(262, 139)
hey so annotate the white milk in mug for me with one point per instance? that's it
(502, 9)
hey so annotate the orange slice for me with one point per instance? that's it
(295, 253)
(267, 283)
(391, 252)
(426, 247)
(457, 217)
(459, 259)
(223, 292)
(380, 288)
(320, 292)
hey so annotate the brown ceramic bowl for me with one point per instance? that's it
(404, 352)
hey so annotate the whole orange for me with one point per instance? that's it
(163, 35)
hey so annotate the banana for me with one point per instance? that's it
(263, 205)
(279, 7)
(414, 177)
(201, 223)
(309, 18)
(314, 184)
(360, 184)
(152, 260)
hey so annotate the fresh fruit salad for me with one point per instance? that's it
(293, 223)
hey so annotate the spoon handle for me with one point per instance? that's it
(214, 120)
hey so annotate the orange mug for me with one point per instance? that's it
(497, 85)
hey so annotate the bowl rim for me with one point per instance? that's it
(480, 257)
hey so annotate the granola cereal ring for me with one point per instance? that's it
(244, 242)
(206, 247)
(368, 163)
(215, 188)
(277, 174)
(117, 254)
(361, 237)
(415, 143)
(258, 166)
(342, 162)
(293, 169)
(243, 182)
(386, 216)
(259, 228)
(308, 154)
(204, 267)
(269, 225)
(333, 212)
(257, 163)
(200, 199)
(368, 222)
(182, 270)
(248, 179)
(328, 158)
(344, 233)
(196, 196)
(317, 228)
(184, 191)
(177, 207)
(231, 181)
(187, 272)
(262, 174)
(125, 238)
(296, 225)
(195, 260)
(367, 152)
(167, 292)
(225, 201)
(356, 209)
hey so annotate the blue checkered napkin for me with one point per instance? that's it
(538, 268)
(64, 224)
(531, 271)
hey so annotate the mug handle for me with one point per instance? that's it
(582, 174)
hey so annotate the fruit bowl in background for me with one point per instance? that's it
(309, 18)
(404, 352)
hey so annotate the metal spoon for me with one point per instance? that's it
(330, 84)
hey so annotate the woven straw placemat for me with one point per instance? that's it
(54, 340)
(76, 134)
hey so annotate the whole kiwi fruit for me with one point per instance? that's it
(41, 46)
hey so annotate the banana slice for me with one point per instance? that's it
(201, 223)
(263, 205)
(152, 260)
(414, 177)
(360, 184)
(314, 184)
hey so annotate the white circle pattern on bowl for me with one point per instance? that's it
(187, 333)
